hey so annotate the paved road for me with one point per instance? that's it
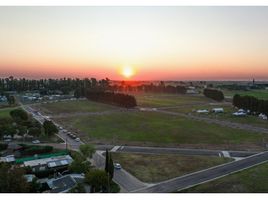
(127, 182)
(162, 150)
(41, 118)
(196, 178)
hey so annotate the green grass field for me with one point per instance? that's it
(163, 100)
(227, 115)
(254, 180)
(260, 94)
(74, 107)
(157, 129)
(156, 168)
(4, 112)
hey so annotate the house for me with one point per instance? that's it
(64, 183)
(218, 110)
(50, 163)
(8, 159)
(29, 177)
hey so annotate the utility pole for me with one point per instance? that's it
(66, 144)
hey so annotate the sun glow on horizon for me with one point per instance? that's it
(128, 71)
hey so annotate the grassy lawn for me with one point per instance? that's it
(227, 115)
(260, 94)
(157, 129)
(74, 107)
(254, 180)
(4, 112)
(156, 168)
(162, 100)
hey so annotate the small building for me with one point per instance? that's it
(29, 177)
(50, 163)
(3, 99)
(8, 159)
(263, 116)
(218, 110)
(65, 183)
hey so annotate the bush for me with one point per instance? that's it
(3, 146)
(32, 150)
(214, 94)
(119, 99)
(19, 114)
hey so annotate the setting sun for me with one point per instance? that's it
(127, 71)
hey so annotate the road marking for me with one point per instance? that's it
(115, 148)
(226, 154)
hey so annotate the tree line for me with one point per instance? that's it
(49, 86)
(153, 88)
(214, 94)
(67, 85)
(251, 103)
(119, 99)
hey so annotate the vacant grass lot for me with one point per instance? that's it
(163, 100)
(227, 115)
(254, 180)
(74, 107)
(4, 112)
(158, 129)
(260, 94)
(156, 168)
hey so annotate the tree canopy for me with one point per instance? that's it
(50, 128)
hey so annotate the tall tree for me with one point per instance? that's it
(50, 128)
(12, 180)
(87, 150)
(107, 161)
(111, 167)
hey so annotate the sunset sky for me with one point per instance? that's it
(157, 43)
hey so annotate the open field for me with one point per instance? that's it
(73, 107)
(4, 112)
(163, 100)
(227, 115)
(152, 128)
(155, 168)
(254, 180)
(260, 94)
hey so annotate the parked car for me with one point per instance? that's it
(36, 142)
(117, 166)
(77, 139)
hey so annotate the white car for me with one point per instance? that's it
(77, 139)
(117, 166)
(36, 142)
